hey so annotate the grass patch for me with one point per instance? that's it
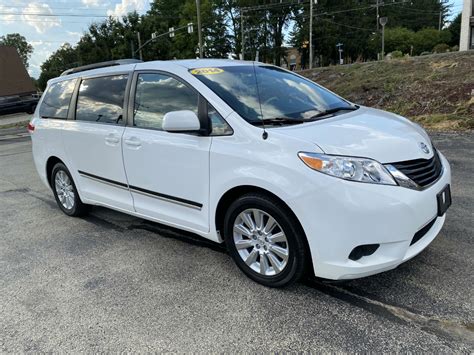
(445, 122)
(14, 125)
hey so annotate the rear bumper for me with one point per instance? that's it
(347, 214)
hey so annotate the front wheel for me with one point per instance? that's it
(265, 240)
(65, 192)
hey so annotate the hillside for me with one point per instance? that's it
(436, 91)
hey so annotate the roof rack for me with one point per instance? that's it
(109, 63)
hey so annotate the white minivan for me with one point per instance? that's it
(289, 175)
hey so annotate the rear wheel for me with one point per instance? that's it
(265, 240)
(31, 109)
(65, 192)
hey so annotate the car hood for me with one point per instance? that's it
(366, 132)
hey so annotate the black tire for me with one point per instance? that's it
(78, 208)
(297, 253)
(31, 109)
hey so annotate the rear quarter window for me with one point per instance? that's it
(101, 99)
(56, 100)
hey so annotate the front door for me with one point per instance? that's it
(168, 173)
(93, 141)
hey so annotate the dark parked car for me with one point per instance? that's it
(13, 104)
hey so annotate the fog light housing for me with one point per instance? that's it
(363, 250)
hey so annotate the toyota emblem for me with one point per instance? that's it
(424, 148)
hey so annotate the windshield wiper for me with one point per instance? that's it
(333, 110)
(279, 121)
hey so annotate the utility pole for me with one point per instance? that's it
(440, 17)
(198, 9)
(339, 48)
(377, 17)
(242, 51)
(383, 22)
(140, 45)
(310, 34)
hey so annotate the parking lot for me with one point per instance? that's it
(112, 282)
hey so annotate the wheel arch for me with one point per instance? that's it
(234, 193)
(50, 163)
(231, 195)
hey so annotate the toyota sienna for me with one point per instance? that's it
(288, 174)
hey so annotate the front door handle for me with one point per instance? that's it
(112, 139)
(133, 142)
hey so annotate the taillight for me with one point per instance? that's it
(30, 127)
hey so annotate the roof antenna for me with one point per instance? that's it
(265, 133)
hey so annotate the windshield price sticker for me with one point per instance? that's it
(206, 71)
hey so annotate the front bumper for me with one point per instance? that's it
(344, 215)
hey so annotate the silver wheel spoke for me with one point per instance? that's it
(248, 220)
(240, 229)
(274, 262)
(69, 202)
(252, 257)
(282, 253)
(278, 237)
(264, 264)
(258, 217)
(243, 244)
(270, 225)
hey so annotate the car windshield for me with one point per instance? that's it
(263, 92)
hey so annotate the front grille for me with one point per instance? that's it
(421, 171)
(421, 233)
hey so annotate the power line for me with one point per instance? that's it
(54, 7)
(271, 6)
(349, 26)
(360, 8)
(42, 21)
(74, 15)
(53, 15)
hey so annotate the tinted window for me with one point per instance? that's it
(56, 99)
(219, 126)
(101, 99)
(158, 94)
(267, 92)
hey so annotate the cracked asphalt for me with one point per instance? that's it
(112, 282)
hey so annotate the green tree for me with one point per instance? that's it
(231, 13)
(64, 58)
(177, 14)
(455, 29)
(398, 39)
(19, 42)
(425, 40)
(416, 14)
(348, 22)
(353, 23)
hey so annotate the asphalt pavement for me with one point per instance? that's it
(112, 282)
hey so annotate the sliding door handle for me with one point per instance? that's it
(132, 142)
(112, 140)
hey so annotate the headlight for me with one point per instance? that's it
(348, 168)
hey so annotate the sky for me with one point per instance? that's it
(47, 24)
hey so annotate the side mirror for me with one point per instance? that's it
(181, 121)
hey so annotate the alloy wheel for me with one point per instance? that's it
(64, 190)
(261, 242)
